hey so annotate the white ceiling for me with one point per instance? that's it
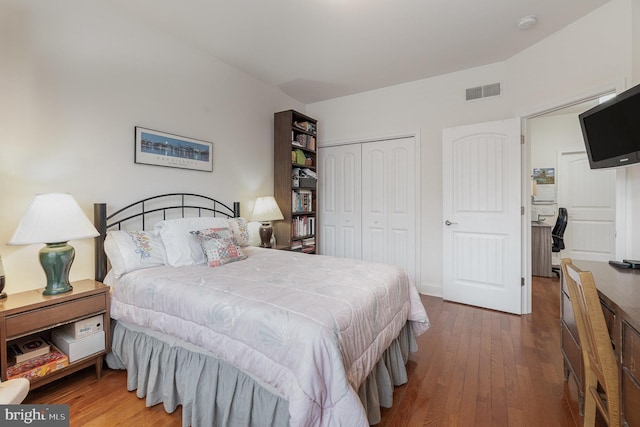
(315, 50)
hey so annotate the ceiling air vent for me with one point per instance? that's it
(483, 91)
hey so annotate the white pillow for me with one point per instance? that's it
(133, 250)
(181, 246)
(254, 233)
(238, 227)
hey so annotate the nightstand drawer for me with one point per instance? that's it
(45, 318)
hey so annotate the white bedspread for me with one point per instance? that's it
(310, 326)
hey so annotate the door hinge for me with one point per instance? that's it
(522, 281)
(521, 210)
(522, 139)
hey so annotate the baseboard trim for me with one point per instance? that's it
(432, 289)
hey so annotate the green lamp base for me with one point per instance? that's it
(56, 260)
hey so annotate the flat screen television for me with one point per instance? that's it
(611, 131)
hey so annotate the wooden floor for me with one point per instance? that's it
(475, 367)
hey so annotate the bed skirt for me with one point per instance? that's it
(170, 371)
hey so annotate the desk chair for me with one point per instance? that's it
(601, 384)
(13, 392)
(557, 235)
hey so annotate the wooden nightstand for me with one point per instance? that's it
(31, 312)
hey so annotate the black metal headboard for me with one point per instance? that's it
(176, 204)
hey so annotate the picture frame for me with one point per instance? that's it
(157, 148)
(544, 175)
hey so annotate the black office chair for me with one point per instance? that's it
(557, 235)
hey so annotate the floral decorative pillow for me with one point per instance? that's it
(133, 250)
(219, 246)
(240, 230)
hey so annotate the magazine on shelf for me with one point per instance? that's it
(306, 172)
(39, 366)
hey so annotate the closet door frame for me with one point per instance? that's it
(417, 196)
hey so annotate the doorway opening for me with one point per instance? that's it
(596, 218)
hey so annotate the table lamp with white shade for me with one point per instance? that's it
(266, 210)
(54, 219)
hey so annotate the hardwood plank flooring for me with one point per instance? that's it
(480, 367)
(475, 367)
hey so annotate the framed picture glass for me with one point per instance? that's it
(165, 149)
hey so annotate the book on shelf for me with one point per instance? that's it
(306, 126)
(309, 244)
(39, 366)
(27, 348)
(304, 141)
(302, 201)
(303, 226)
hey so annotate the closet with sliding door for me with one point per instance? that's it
(369, 201)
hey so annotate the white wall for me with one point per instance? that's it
(76, 77)
(575, 62)
(548, 136)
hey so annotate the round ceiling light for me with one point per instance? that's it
(526, 22)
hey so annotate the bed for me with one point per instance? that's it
(241, 335)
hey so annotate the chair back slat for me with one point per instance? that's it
(600, 365)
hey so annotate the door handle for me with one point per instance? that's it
(447, 222)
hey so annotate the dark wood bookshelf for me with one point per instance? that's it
(285, 132)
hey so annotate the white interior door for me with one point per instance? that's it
(389, 202)
(590, 198)
(340, 201)
(482, 215)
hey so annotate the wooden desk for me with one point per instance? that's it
(619, 291)
(541, 243)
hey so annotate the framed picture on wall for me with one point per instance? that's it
(165, 149)
(544, 176)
